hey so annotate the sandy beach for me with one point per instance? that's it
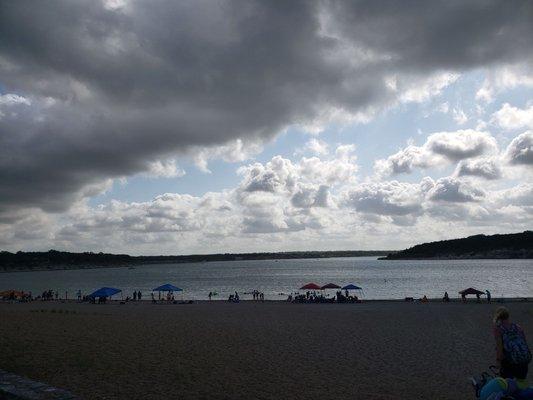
(271, 350)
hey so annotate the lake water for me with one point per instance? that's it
(379, 279)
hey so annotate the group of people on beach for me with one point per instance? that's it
(478, 296)
(11, 295)
(49, 295)
(137, 295)
(446, 297)
(314, 297)
(234, 298)
(258, 296)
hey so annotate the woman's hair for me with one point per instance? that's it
(501, 314)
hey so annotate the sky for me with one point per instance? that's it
(168, 127)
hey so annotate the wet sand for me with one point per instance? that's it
(271, 350)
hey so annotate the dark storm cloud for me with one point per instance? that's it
(443, 34)
(112, 90)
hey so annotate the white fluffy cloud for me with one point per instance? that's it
(420, 91)
(404, 202)
(281, 175)
(165, 169)
(520, 195)
(509, 117)
(233, 151)
(282, 196)
(459, 116)
(453, 190)
(440, 148)
(520, 150)
(316, 147)
(386, 198)
(317, 202)
(503, 78)
(461, 144)
(406, 160)
(311, 216)
(8, 100)
(488, 168)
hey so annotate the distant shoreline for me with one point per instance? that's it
(147, 263)
(62, 261)
(59, 268)
(482, 247)
(455, 257)
(478, 247)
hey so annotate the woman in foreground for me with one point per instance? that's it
(512, 352)
(513, 357)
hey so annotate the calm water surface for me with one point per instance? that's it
(379, 279)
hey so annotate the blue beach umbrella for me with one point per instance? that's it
(351, 286)
(104, 292)
(167, 288)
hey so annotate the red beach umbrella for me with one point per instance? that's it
(310, 286)
(330, 286)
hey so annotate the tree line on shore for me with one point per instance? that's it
(513, 245)
(54, 259)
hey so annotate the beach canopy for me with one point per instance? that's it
(104, 292)
(167, 288)
(310, 286)
(330, 286)
(470, 291)
(9, 293)
(351, 286)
